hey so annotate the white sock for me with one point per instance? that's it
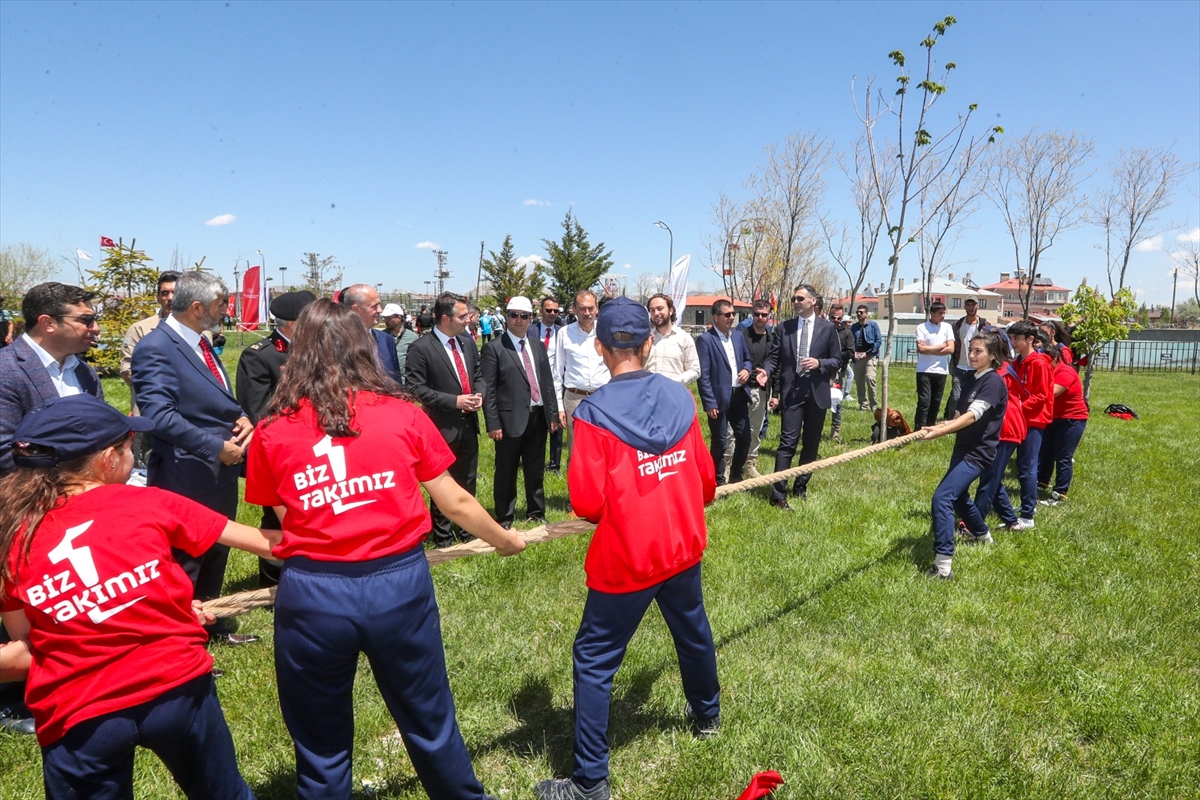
(942, 563)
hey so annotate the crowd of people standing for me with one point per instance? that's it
(323, 423)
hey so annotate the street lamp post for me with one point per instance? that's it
(283, 279)
(671, 252)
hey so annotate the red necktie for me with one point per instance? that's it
(206, 349)
(547, 342)
(462, 368)
(535, 393)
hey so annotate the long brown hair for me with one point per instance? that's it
(27, 495)
(331, 359)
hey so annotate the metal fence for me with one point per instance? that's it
(1128, 355)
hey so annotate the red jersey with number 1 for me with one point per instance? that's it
(349, 498)
(110, 612)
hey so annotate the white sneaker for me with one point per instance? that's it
(983, 538)
(1021, 524)
(1054, 499)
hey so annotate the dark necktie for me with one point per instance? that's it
(211, 361)
(534, 392)
(461, 367)
(802, 348)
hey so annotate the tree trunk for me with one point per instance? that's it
(1087, 380)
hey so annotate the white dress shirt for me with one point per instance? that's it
(727, 343)
(63, 376)
(192, 340)
(674, 356)
(576, 363)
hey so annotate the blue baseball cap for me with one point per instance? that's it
(623, 316)
(70, 428)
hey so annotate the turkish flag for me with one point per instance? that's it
(251, 289)
(107, 242)
(762, 785)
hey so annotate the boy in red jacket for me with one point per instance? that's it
(1037, 401)
(639, 470)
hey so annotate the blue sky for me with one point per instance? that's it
(365, 131)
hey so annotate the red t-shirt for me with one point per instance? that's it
(349, 498)
(110, 615)
(1069, 404)
(1014, 428)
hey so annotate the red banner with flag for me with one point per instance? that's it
(107, 242)
(251, 291)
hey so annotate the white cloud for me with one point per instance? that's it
(222, 219)
(533, 259)
(1149, 245)
(627, 266)
(536, 203)
(1191, 236)
(428, 246)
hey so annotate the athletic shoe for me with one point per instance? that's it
(983, 538)
(1021, 524)
(567, 789)
(933, 572)
(703, 728)
(1055, 499)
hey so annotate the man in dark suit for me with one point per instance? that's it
(724, 386)
(39, 367)
(544, 330)
(200, 431)
(520, 408)
(258, 373)
(42, 364)
(442, 370)
(363, 300)
(805, 354)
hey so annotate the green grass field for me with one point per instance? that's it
(1063, 663)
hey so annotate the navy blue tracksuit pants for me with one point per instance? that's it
(609, 622)
(953, 494)
(991, 494)
(1028, 453)
(183, 726)
(326, 613)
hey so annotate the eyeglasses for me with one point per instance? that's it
(762, 314)
(726, 314)
(550, 311)
(799, 299)
(87, 320)
(520, 315)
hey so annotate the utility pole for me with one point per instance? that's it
(1174, 282)
(442, 273)
(479, 274)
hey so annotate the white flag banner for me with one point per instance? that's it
(677, 283)
(86, 256)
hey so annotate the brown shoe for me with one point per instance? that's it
(782, 505)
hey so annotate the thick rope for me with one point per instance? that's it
(242, 602)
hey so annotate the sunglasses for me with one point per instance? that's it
(763, 314)
(520, 315)
(799, 299)
(87, 320)
(726, 314)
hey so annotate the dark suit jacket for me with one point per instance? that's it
(823, 345)
(716, 381)
(193, 415)
(386, 345)
(25, 385)
(431, 376)
(258, 373)
(537, 330)
(507, 395)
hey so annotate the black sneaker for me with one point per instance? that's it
(17, 721)
(933, 572)
(703, 729)
(567, 789)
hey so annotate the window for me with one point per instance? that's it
(983, 303)
(956, 302)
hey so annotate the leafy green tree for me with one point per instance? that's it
(1096, 321)
(1143, 316)
(126, 286)
(573, 263)
(22, 266)
(1187, 313)
(509, 278)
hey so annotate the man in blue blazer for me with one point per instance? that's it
(200, 431)
(805, 353)
(724, 386)
(364, 301)
(43, 363)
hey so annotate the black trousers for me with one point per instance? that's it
(524, 451)
(556, 444)
(800, 423)
(268, 572)
(737, 416)
(463, 470)
(929, 399)
(956, 379)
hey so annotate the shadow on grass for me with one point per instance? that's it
(547, 730)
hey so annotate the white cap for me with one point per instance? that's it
(519, 303)
(393, 310)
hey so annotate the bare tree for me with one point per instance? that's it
(22, 266)
(854, 252)
(1144, 180)
(1035, 183)
(1186, 256)
(954, 195)
(317, 277)
(926, 166)
(647, 284)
